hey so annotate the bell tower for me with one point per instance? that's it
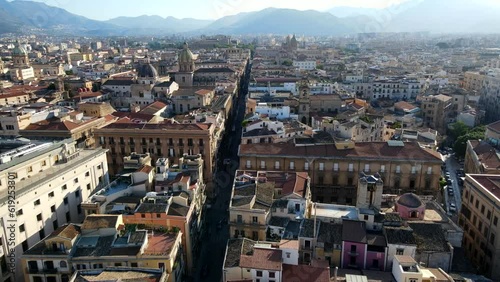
(304, 103)
(185, 75)
(20, 56)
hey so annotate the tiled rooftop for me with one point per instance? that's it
(236, 248)
(160, 244)
(354, 231)
(429, 237)
(307, 273)
(489, 182)
(119, 274)
(266, 259)
(364, 150)
(399, 235)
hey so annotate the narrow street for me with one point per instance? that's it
(213, 242)
(452, 166)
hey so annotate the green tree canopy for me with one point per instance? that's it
(460, 145)
(458, 129)
(287, 63)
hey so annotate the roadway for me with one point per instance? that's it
(208, 266)
(452, 166)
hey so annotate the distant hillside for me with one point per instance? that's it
(280, 21)
(8, 22)
(446, 16)
(157, 24)
(440, 16)
(26, 15)
(344, 12)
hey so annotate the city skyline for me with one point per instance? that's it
(207, 10)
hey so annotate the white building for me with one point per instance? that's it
(406, 269)
(305, 65)
(469, 117)
(400, 242)
(282, 112)
(49, 181)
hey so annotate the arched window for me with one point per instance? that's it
(63, 264)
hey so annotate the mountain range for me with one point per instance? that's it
(443, 16)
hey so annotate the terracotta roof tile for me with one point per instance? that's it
(304, 272)
(203, 92)
(372, 150)
(145, 169)
(268, 259)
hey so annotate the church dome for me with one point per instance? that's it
(185, 56)
(410, 200)
(19, 50)
(147, 70)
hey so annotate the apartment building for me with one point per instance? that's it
(481, 157)
(259, 196)
(396, 88)
(170, 140)
(14, 98)
(479, 219)
(334, 168)
(50, 180)
(304, 65)
(121, 273)
(436, 111)
(473, 81)
(489, 100)
(177, 204)
(248, 260)
(102, 241)
(12, 122)
(75, 127)
(493, 133)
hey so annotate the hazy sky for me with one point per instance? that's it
(200, 9)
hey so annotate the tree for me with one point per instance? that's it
(287, 63)
(460, 145)
(458, 129)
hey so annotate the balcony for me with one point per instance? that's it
(353, 254)
(42, 270)
(247, 223)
